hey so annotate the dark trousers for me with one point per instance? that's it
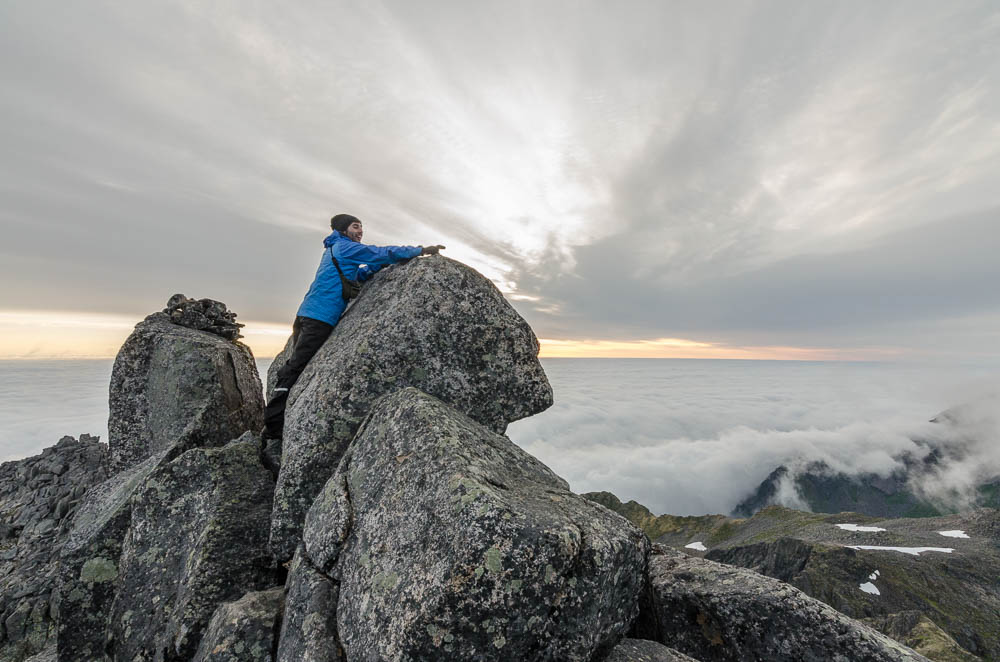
(308, 335)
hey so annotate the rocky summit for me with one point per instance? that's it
(395, 523)
(433, 324)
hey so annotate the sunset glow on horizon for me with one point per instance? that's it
(679, 348)
(47, 335)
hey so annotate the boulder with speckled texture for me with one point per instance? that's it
(244, 630)
(197, 538)
(448, 541)
(89, 564)
(309, 627)
(713, 611)
(432, 323)
(39, 496)
(171, 384)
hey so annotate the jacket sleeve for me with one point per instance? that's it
(377, 257)
(365, 272)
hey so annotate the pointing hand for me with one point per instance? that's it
(431, 250)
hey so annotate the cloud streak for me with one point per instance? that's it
(641, 171)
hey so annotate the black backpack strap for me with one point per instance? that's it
(349, 289)
(336, 264)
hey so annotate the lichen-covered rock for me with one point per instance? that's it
(642, 650)
(171, 384)
(432, 323)
(244, 630)
(713, 611)
(89, 565)
(309, 627)
(197, 538)
(450, 542)
(39, 496)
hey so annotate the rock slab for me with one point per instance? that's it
(450, 542)
(89, 563)
(432, 323)
(712, 611)
(172, 384)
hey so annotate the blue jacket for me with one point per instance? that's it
(323, 301)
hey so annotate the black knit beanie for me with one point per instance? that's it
(340, 222)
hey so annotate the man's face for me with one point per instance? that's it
(354, 231)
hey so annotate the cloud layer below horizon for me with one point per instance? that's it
(697, 437)
(755, 174)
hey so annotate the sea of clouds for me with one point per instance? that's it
(696, 437)
(42, 401)
(685, 437)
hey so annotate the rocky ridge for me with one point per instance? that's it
(715, 611)
(957, 434)
(417, 530)
(826, 491)
(38, 498)
(946, 605)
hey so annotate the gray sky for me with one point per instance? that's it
(769, 173)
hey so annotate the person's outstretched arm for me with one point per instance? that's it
(377, 257)
(392, 254)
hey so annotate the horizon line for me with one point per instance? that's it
(54, 335)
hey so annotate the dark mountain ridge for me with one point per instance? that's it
(912, 490)
(951, 600)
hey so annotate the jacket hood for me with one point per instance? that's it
(331, 238)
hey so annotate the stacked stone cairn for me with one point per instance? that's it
(395, 522)
(204, 315)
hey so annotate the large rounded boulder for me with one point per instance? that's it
(432, 323)
(445, 540)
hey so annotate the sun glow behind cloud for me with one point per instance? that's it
(622, 171)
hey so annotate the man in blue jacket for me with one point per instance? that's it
(325, 303)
